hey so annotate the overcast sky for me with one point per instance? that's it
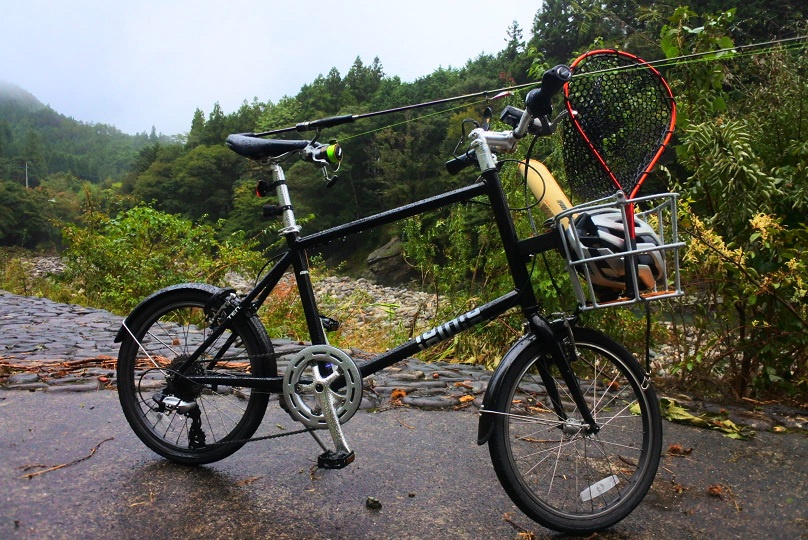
(145, 63)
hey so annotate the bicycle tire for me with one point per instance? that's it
(165, 329)
(558, 475)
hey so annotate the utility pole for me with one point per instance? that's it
(26, 175)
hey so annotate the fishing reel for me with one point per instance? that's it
(326, 157)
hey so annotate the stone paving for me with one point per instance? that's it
(50, 347)
(55, 347)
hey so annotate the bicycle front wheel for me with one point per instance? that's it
(179, 419)
(557, 473)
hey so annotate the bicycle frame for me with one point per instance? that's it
(517, 254)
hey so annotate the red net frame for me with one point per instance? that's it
(622, 116)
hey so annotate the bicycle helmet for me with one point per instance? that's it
(603, 233)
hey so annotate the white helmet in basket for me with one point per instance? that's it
(601, 233)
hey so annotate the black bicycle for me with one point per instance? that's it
(570, 416)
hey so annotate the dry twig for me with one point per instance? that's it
(63, 465)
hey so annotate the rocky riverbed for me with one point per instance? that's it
(52, 347)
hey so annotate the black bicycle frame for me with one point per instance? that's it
(517, 253)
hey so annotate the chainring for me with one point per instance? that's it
(309, 378)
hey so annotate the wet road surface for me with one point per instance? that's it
(424, 467)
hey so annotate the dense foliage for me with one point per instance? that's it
(740, 160)
(116, 262)
(743, 160)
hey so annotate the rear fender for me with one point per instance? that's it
(168, 291)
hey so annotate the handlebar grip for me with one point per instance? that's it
(538, 100)
(459, 163)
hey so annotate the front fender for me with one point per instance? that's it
(201, 287)
(491, 401)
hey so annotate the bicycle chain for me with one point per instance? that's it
(264, 438)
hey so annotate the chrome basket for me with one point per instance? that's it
(586, 269)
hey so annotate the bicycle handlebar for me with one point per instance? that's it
(538, 100)
(454, 166)
(538, 105)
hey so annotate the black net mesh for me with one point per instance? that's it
(625, 116)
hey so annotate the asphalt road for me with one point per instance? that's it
(423, 466)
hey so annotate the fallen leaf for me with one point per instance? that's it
(678, 450)
(464, 384)
(397, 394)
(715, 491)
(466, 399)
(674, 412)
(248, 481)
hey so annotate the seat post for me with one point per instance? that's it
(290, 226)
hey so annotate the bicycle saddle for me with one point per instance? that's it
(257, 148)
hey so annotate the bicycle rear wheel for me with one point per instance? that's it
(559, 475)
(181, 420)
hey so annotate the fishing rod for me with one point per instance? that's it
(719, 54)
(349, 118)
(728, 53)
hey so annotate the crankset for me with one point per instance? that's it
(308, 386)
(322, 389)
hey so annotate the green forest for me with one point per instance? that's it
(739, 158)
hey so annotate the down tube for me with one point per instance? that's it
(484, 313)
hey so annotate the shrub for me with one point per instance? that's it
(114, 262)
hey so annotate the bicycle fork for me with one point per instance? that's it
(553, 335)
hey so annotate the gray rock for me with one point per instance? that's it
(80, 387)
(23, 378)
(388, 265)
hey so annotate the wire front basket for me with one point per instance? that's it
(609, 266)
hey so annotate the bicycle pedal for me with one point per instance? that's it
(335, 460)
(329, 324)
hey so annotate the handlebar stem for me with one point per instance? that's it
(494, 141)
(482, 150)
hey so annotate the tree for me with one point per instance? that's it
(197, 133)
(287, 112)
(24, 217)
(214, 131)
(363, 82)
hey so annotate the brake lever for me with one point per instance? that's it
(551, 126)
(487, 114)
